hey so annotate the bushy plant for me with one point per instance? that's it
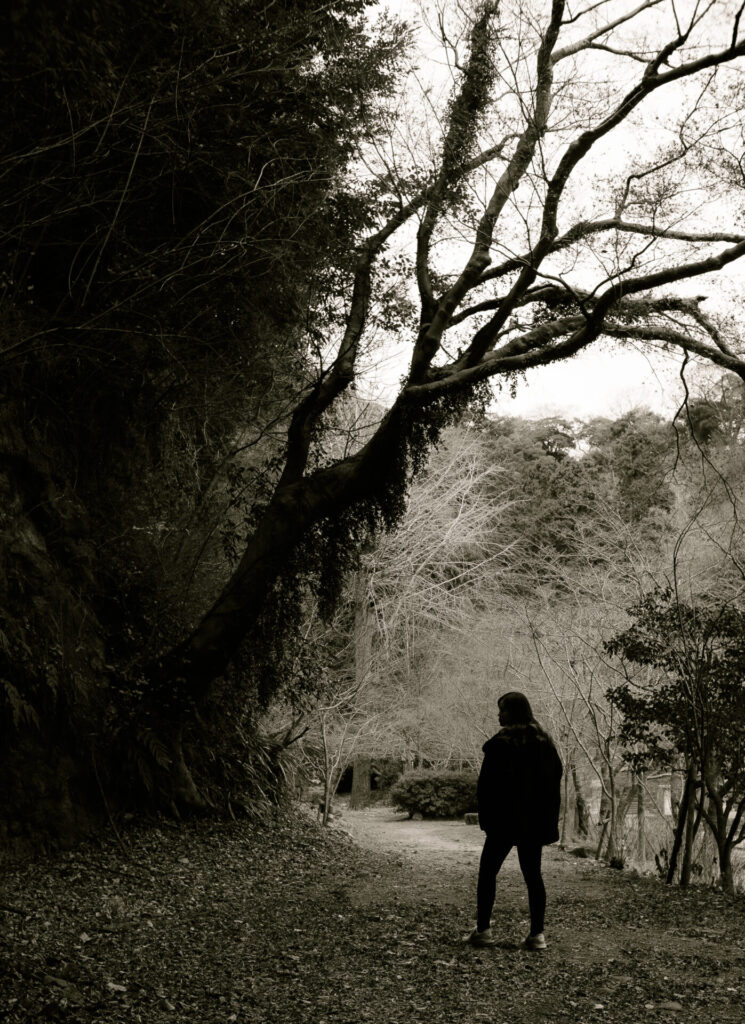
(435, 794)
(386, 773)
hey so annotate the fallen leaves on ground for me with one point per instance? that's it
(283, 921)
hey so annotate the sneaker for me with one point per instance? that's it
(479, 939)
(534, 942)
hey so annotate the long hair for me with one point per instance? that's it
(517, 710)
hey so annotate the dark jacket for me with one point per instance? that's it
(519, 787)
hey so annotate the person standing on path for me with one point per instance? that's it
(519, 794)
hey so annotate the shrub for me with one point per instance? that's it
(435, 794)
(386, 773)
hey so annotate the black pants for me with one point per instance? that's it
(493, 855)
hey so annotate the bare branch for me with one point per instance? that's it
(651, 80)
(585, 229)
(587, 10)
(539, 351)
(736, 23)
(583, 44)
(466, 107)
(429, 341)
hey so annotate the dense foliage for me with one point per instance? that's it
(435, 794)
(692, 707)
(695, 704)
(568, 481)
(175, 203)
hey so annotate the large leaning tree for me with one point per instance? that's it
(586, 166)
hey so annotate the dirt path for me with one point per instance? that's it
(442, 860)
(383, 829)
(618, 942)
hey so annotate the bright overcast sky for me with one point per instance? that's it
(599, 382)
(605, 380)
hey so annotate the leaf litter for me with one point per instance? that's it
(280, 921)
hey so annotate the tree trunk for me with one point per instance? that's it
(326, 799)
(564, 809)
(682, 806)
(186, 796)
(608, 810)
(604, 816)
(676, 791)
(205, 655)
(360, 795)
(618, 820)
(726, 876)
(295, 506)
(718, 820)
(641, 838)
(327, 772)
(581, 808)
(604, 809)
(603, 832)
(699, 810)
(685, 867)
